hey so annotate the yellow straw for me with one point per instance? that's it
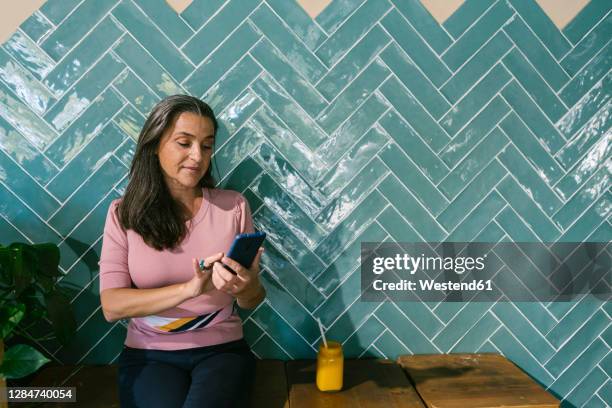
(322, 332)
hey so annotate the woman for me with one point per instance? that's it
(184, 344)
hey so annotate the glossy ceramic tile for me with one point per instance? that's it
(302, 125)
(81, 94)
(412, 178)
(57, 10)
(370, 123)
(475, 37)
(351, 30)
(82, 57)
(415, 80)
(406, 105)
(472, 163)
(25, 154)
(36, 26)
(464, 17)
(586, 19)
(85, 128)
(420, 52)
(27, 53)
(291, 80)
(232, 84)
(475, 99)
(484, 182)
(588, 76)
(221, 60)
(542, 26)
(300, 22)
(271, 26)
(418, 16)
(534, 85)
(24, 120)
(200, 11)
(156, 43)
(24, 85)
(588, 46)
(536, 53)
(353, 95)
(473, 70)
(544, 130)
(168, 21)
(147, 68)
(427, 161)
(217, 29)
(80, 21)
(414, 212)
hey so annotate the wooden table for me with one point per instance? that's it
(440, 380)
(485, 380)
(367, 383)
(270, 385)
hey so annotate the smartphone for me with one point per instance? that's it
(244, 249)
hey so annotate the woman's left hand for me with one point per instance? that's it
(245, 284)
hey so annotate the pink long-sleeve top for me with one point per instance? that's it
(127, 262)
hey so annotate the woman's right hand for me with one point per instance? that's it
(201, 281)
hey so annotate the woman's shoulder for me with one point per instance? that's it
(115, 203)
(113, 210)
(227, 199)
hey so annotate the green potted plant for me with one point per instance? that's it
(28, 293)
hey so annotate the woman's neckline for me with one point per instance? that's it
(201, 210)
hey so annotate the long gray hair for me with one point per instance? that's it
(147, 207)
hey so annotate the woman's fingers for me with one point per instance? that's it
(244, 273)
(217, 267)
(196, 267)
(224, 274)
(231, 265)
(240, 270)
(201, 281)
(224, 280)
(207, 263)
(260, 252)
(214, 258)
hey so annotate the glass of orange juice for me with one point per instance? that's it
(330, 366)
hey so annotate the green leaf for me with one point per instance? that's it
(34, 301)
(10, 316)
(28, 276)
(60, 313)
(6, 265)
(48, 255)
(22, 271)
(21, 360)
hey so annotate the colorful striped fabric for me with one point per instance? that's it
(182, 324)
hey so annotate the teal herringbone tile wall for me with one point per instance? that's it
(370, 123)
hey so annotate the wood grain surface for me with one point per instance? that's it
(367, 383)
(485, 380)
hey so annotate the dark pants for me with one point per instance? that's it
(213, 376)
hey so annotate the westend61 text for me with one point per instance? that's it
(430, 285)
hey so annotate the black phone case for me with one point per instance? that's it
(244, 248)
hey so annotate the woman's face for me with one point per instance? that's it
(185, 150)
